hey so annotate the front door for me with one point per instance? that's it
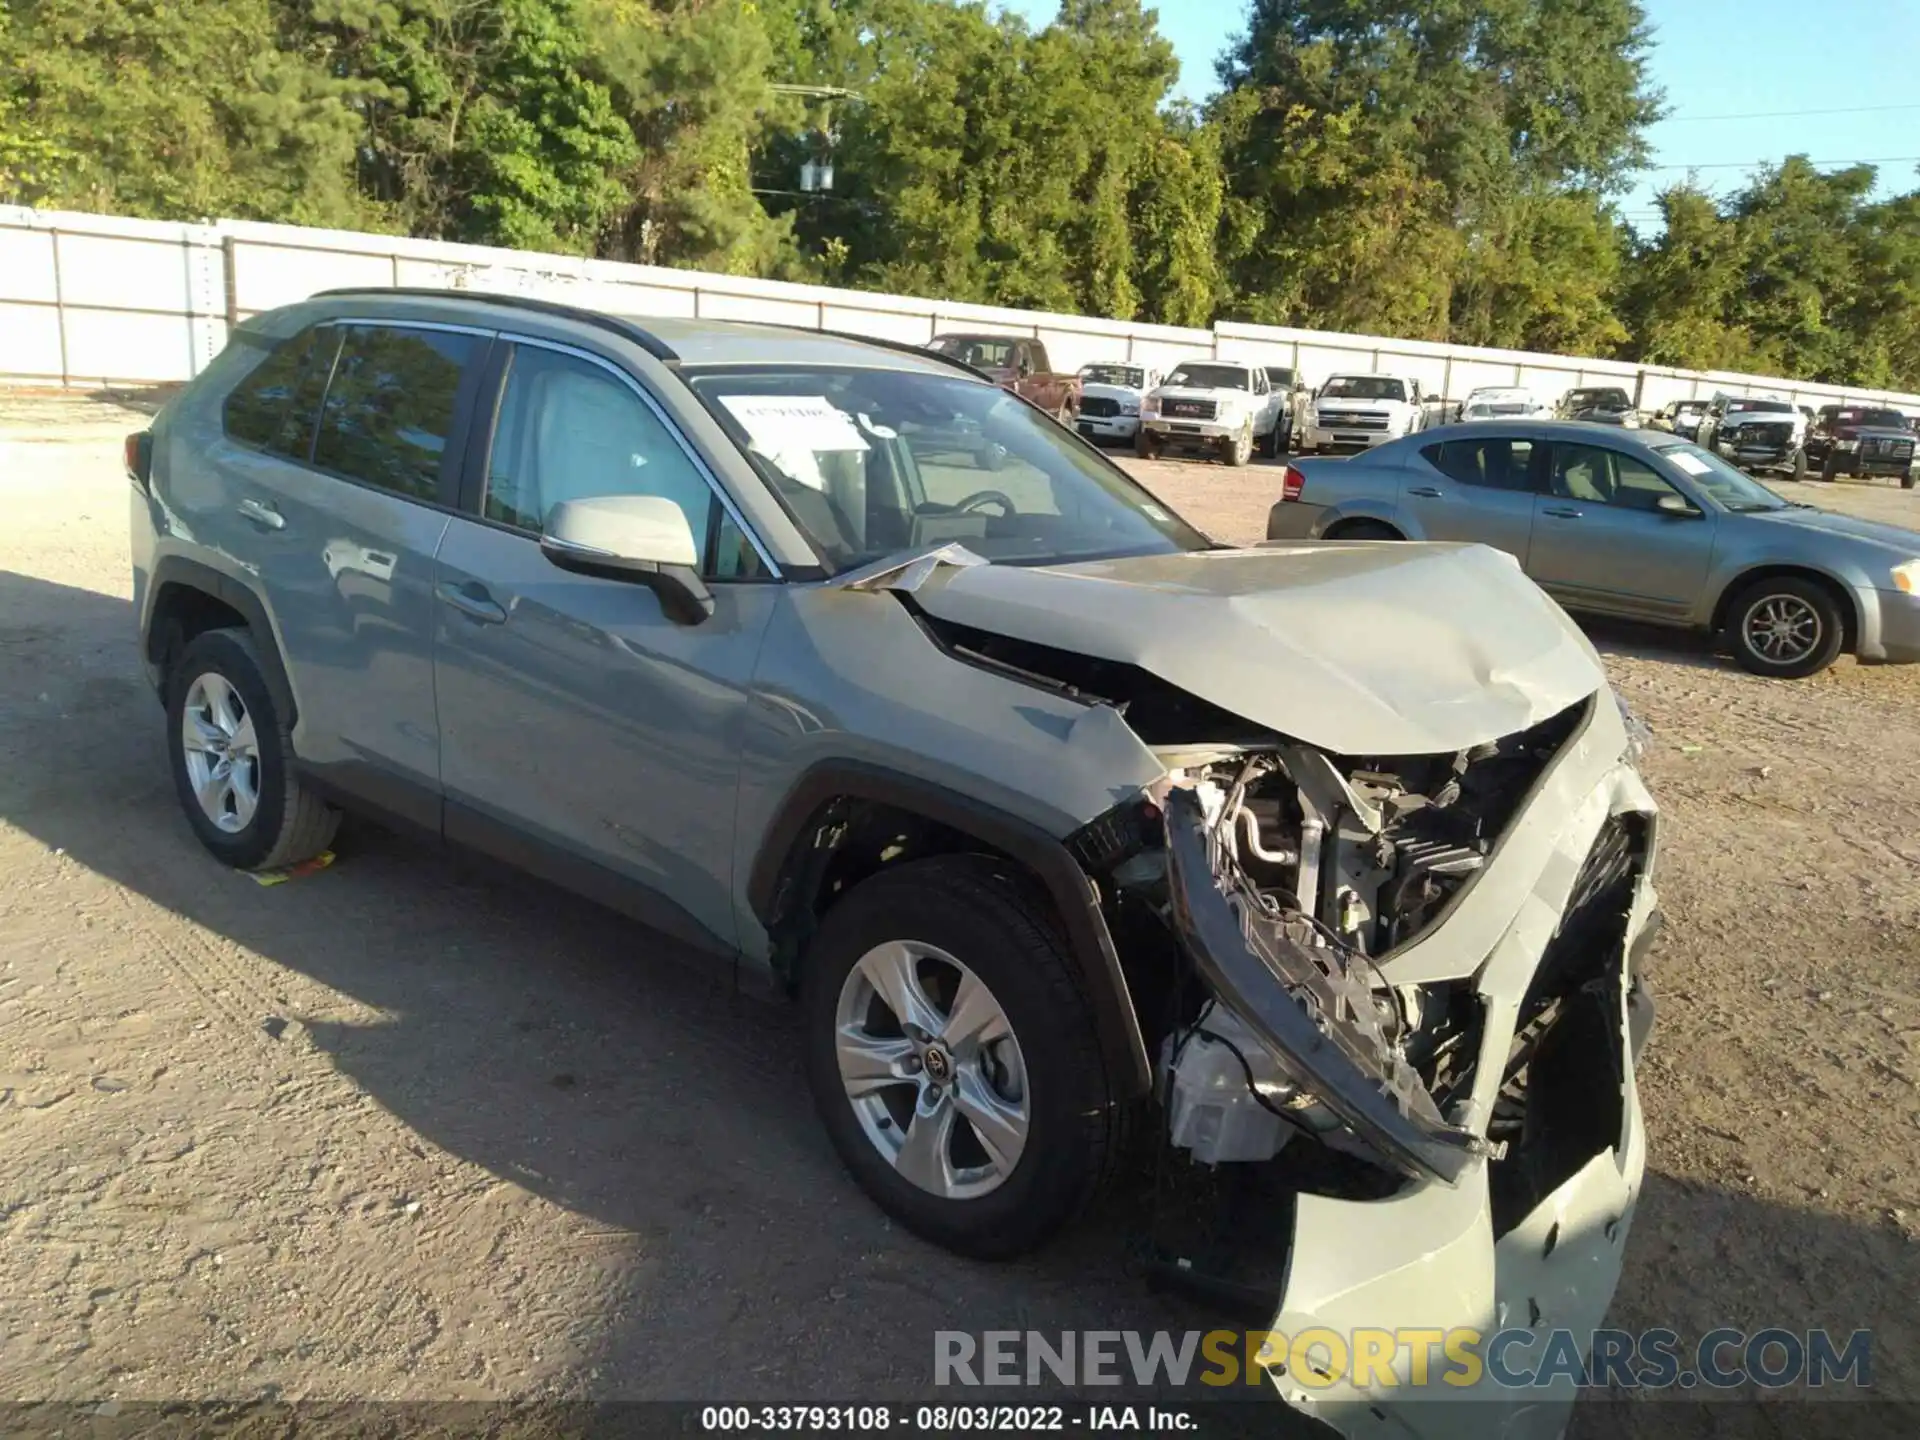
(1478, 489)
(1601, 542)
(586, 736)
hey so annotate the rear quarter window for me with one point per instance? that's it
(273, 408)
(390, 406)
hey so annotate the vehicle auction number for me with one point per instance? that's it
(936, 1418)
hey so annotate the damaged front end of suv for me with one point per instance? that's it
(1407, 988)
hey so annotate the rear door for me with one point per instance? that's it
(1478, 488)
(587, 737)
(342, 512)
(1600, 542)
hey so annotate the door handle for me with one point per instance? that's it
(472, 601)
(262, 514)
(1561, 512)
(1426, 492)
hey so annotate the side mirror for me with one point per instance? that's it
(1677, 505)
(641, 539)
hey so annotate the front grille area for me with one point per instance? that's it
(1887, 449)
(1350, 420)
(1775, 436)
(1189, 409)
(1099, 407)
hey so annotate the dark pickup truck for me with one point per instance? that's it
(1861, 440)
(1017, 364)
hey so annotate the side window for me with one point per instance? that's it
(1606, 477)
(1494, 463)
(273, 407)
(390, 406)
(572, 430)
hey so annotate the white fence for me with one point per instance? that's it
(94, 300)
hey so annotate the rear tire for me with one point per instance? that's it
(1799, 471)
(1829, 468)
(976, 916)
(1144, 447)
(1785, 628)
(228, 743)
(1364, 530)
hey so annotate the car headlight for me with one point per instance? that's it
(1129, 407)
(1632, 422)
(1846, 444)
(1906, 578)
(1150, 406)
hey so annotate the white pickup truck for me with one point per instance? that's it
(1357, 412)
(1225, 407)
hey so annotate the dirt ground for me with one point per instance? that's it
(400, 1131)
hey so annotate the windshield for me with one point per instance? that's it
(1732, 488)
(1891, 419)
(983, 352)
(1600, 399)
(1211, 377)
(870, 462)
(1279, 377)
(1131, 376)
(1771, 407)
(1499, 397)
(1364, 387)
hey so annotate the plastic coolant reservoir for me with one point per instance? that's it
(1212, 1113)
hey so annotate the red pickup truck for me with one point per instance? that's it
(1017, 364)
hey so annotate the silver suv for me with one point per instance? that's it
(1054, 816)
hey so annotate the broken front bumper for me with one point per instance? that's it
(1481, 1238)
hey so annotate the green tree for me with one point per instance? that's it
(176, 109)
(483, 123)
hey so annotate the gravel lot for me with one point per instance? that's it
(400, 1130)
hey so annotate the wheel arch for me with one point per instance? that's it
(1842, 596)
(822, 841)
(1344, 527)
(189, 598)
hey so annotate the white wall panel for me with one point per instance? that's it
(29, 341)
(26, 265)
(117, 345)
(268, 275)
(119, 272)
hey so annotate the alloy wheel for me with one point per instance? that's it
(222, 752)
(1783, 629)
(932, 1069)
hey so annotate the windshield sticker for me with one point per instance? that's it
(793, 431)
(1692, 464)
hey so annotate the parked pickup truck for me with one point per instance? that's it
(1861, 440)
(1016, 363)
(1357, 412)
(1222, 407)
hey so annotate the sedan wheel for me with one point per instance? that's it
(933, 1071)
(1787, 628)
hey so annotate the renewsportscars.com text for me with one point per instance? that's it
(1434, 1359)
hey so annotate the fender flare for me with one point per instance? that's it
(177, 571)
(1075, 898)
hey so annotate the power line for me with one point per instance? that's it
(1787, 114)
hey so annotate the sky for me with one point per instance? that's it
(1715, 58)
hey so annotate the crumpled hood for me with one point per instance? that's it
(1897, 540)
(1360, 649)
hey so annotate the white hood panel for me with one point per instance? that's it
(1360, 649)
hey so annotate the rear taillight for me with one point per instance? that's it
(1292, 483)
(139, 453)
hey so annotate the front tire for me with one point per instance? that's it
(1785, 628)
(1143, 445)
(1830, 467)
(232, 759)
(953, 1058)
(1799, 465)
(1239, 450)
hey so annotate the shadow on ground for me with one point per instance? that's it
(562, 1050)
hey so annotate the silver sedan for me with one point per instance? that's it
(1640, 524)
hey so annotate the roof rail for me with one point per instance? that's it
(619, 324)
